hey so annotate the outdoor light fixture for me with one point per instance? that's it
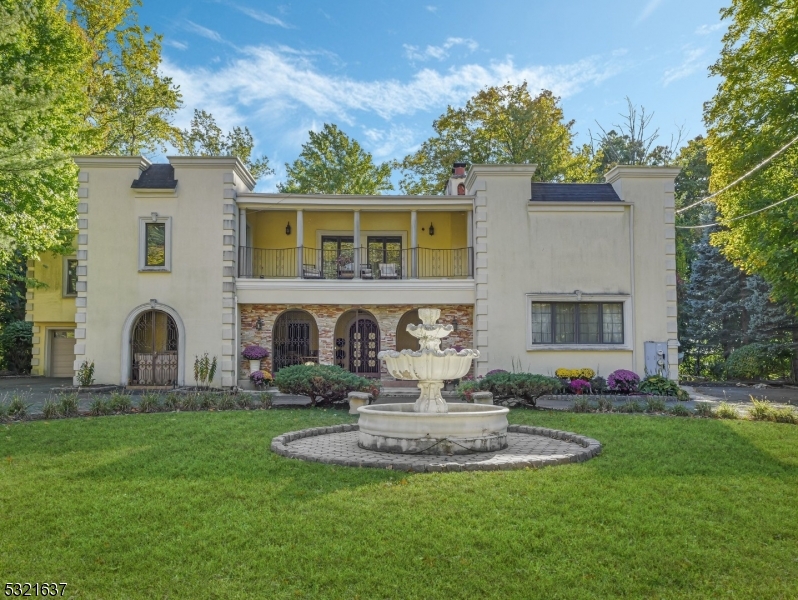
(454, 324)
(431, 229)
(259, 324)
(154, 216)
(288, 228)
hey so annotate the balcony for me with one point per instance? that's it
(381, 261)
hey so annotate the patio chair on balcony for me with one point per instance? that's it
(366, 272)
(388, 271)
(311, 272)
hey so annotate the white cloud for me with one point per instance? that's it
(175, 44)
(261, 16)
(397, 140)
(204, 32)
(707, 29)
(431, 8)
(647, 10)
(438, 52)
(691, 63)
(268, 83)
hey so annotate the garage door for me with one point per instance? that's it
(62, 353)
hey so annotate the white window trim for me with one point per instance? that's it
(626, 299)
(143, 244)
(65, 277)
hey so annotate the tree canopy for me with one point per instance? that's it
(332, 163)
(500, 124)
(753, 114)
(205, 138)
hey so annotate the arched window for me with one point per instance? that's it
(153, 349)
(295, 339)
(461, 189)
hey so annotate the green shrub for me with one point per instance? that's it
(17, 408)
(323, 384)
(99, 406)
(657, 385)
(16, 343)
(204, 370)
(598, 385)
(726, 411)
(150, 403)
(761, 410)
(785, 415)
(655, 405)
(757, 361)
(69, 405)
(265, 399)
(190, 401)
(50, 409)
(604, 404)
(3, 411)
(171, 402)
(466, 389)
(244, 401)
(582, 405)
(679, 410)
(120, 403)
(86, 374)
(207, 401)
(518, 388)
(704, 409)
(631, 406)
(226, 402)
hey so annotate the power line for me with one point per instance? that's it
(737, 218)
(741, 178)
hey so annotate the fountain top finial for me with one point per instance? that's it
(429, 316)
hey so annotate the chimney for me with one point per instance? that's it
(456, 184)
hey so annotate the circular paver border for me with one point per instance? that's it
(420, 463)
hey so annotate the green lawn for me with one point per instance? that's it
(194, 505)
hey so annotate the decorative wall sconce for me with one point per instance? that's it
(454, 324)
(259, 324)
(288, 228)
(431, 229)
(154, 216)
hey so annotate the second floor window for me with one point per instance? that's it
(71, 277)
(156, 245)
(155, 241)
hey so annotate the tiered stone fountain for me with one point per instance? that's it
(431, 426)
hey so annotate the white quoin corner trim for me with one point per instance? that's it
(181, 340)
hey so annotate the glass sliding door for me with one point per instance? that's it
(338, 257)
(385, 256)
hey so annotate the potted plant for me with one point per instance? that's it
(260, 378)
(254, 354)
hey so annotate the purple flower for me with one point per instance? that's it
(255, 353)
(622, 381)
(579, 386)
(496, 372)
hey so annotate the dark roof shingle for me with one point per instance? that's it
(573, 192)
(156, 177)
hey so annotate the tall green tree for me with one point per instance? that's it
(206, 138)
(332, 163)
(692, 184)
(131, 104)
(753, 114)
(500, 124)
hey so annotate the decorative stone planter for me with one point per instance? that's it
(482, 398)
(356, 400)
(254, 365)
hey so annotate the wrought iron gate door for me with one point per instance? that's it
(364, 344)
(153, 349)
(293, 335)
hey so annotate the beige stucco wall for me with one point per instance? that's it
(200, 287)
(570, 251)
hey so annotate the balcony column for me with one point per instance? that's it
(470, 240)
(356, 229)
(244, 265)
(300, 240)
(413, 244)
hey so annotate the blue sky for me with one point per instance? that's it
(383, 71)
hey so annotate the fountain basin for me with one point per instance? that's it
(464, 429)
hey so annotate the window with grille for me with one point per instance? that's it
(577, 323)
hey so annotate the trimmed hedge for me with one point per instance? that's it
(324, 384)
(511, 388)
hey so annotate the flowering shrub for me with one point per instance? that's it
(579, 386)
(255, 353)
(623, 381)
(586, 374)
(260, 378)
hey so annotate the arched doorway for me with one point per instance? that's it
(357, 342)
(154, 343)
(405, 341)
(295, 339)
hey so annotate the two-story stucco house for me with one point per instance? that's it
(178, 259)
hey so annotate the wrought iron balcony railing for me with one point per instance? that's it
(378, 264)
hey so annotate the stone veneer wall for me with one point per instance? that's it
(327, 316)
